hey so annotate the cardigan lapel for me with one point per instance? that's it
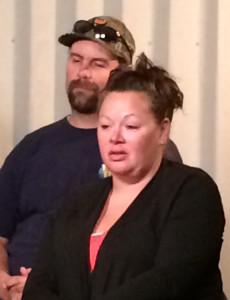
(77, 232)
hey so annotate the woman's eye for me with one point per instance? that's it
(131, 127)
(104, 126)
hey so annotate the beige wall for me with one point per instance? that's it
(191, 38)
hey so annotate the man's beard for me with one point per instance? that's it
(83, 96)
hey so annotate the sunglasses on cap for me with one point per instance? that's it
(101, 31)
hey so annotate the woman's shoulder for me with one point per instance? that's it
(79, 199)
(194, 190)
(173, 178)
(178, 170)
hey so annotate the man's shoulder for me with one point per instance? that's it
(50, 129)
(34, 140)
(171, 152)
(46, 133)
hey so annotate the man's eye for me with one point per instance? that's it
(75, 60)
(99, 64)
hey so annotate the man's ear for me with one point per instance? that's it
(165, 130)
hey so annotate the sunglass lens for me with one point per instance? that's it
(106, 33)
(82, 26)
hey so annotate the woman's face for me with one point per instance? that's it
(130, 139)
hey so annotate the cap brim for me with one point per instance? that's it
(69, 38)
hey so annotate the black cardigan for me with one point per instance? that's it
(165, 246)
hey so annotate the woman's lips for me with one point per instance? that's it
(117, 155)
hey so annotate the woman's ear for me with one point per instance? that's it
(165, 130)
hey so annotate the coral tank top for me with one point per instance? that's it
(95, 242)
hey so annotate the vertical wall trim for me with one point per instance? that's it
(65, 18)
(161, 19)
(113, 8)
(22, 55)
(208, 82)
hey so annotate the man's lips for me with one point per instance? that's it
(83, 85)
(82, 89)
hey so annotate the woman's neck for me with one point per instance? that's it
(131, 183)
(128, 188)
(125, 190)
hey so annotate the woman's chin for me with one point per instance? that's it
(118, 169)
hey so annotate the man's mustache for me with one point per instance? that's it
(84, 84)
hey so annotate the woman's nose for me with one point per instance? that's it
(117, 136)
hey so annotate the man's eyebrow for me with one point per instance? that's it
(100, 59)
(94, 59)
(72, 54)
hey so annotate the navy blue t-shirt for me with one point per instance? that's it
(35, 177)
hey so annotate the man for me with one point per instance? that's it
(47, 162)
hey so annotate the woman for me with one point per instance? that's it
(151, 231)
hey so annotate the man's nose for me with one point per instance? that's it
(84, 71)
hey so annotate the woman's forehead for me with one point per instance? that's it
(126, 102)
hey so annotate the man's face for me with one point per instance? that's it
(87, 71)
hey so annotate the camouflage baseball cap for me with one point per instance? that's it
(110, 32)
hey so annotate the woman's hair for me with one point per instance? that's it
(162, 91)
